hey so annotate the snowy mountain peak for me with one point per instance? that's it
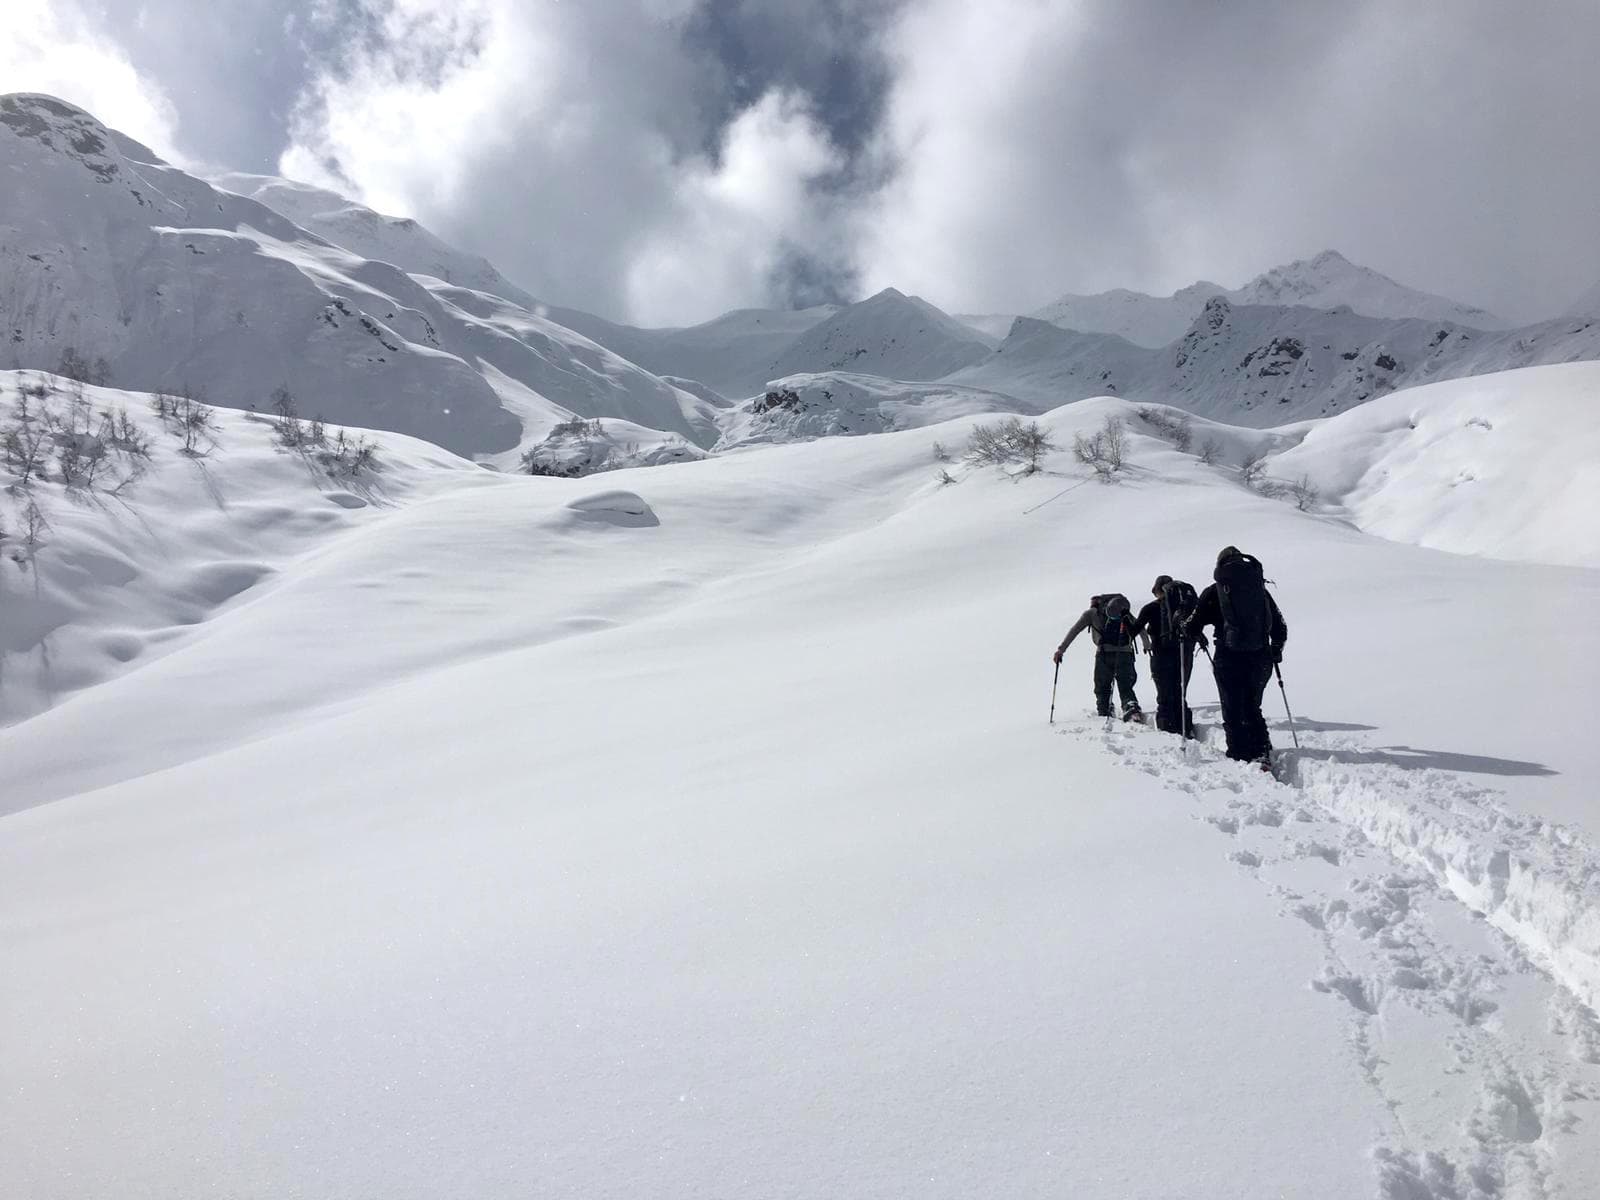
(1329, 280)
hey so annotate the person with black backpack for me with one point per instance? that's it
(1171, 650)
(1110, 623)
(1250, 635)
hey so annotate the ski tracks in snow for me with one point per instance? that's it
(1460, 943)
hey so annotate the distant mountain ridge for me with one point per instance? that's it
(1327, 280)
(109, 251)
(1262, 365)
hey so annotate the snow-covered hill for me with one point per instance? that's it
(175, 283)
(633, 815)
(1264, 365)
(733, 354)
(1327, 281)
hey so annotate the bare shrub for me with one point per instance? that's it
(33, 530)
(27, 437)
(195, 424)
(1106, 451)
(351, 457)
(1008, 441)
(286, 418)
(1253, 468)
(940, 454)
(1210, 452)
(944, 476)
(1304, 493)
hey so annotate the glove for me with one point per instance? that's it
(1200, 640)
(1277, 655)
(1056, 657)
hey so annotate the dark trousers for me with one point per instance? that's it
(1170, 664)
(1241, 683)
(1117, 666)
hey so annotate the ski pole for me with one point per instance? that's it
(1053, 682)
(1279, 673)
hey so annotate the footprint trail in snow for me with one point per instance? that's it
(1460, 944)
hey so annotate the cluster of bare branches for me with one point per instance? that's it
(50, 437)
(188, 418)
(1304, 494)
(1106, 451)
(339, 454)
(1177, 428)
(1008, 441)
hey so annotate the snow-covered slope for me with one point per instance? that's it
(1329, 280)
(1264, 365)
(397, 240)
(839, 403)
(1505, 465)
(176, 283)
(732, 354)
(118, 579)
(588, 832)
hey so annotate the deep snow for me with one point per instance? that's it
(698, 831)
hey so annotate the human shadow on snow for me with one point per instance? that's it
(1409, 758)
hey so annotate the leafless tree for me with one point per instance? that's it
(1210, 451)
(1105, 452)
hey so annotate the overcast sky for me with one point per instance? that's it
(664, 160)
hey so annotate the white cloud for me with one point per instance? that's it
(55, 48)
(733, 221)
(1039, 147)
(566, 143)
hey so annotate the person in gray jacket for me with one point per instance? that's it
(1110, 622)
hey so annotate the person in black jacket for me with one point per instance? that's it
(1250, 635)
(1110, 623)
(1171, 650)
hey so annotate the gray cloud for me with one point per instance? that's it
(661, 159)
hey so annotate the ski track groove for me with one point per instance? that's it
(1376, 860)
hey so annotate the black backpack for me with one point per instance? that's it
(1242, 595)
(1178, 602)
(1113, 631)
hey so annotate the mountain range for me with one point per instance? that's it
(235, 284)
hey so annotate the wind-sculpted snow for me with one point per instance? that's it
(1502, 464)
